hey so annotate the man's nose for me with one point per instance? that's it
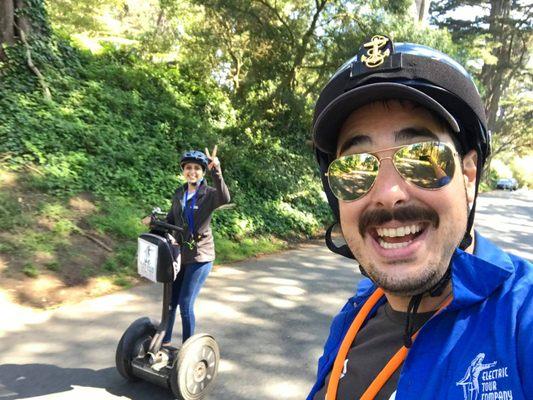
(390, 189)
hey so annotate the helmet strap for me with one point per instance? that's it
(467, 238)
(343, 250)
(415, 301)
(409, 329)
(439, 287)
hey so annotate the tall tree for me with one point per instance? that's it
(421, 11)
(500, 36)
(7, 22)
(22, 15)
(289, 43)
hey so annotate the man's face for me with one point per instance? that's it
(404, 257)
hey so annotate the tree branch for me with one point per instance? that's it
(31, 65)
(300, 51)
(279, 17)
(95, 240)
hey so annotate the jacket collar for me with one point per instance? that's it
(201, 190)
(476, 276)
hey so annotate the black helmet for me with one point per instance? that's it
(194, 156)
(382, 70)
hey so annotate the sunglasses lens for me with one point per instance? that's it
(350, 177)
(429, 165)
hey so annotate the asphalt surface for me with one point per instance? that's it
(270, 317)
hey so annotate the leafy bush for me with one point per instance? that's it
(118, 217)
(522, 170)
(30, 270)
(116, 127)
(11, 213)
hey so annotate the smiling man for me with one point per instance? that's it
(401, 140)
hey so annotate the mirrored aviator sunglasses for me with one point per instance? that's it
(428, 165)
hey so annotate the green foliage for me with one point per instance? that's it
(35, 13)
(244, 75)
(34, 241)
(55, 211)
(122, 262)
(522, 168)
(489, 183)
(30, 270)
(119, 217)
(53, 266)
(123, 281)
(116, 127)
(63, 228)
(11, 212)
(230, 250)
(510, 165)
(7, 247)
(484, 187)
(121, 265)
(71, 15)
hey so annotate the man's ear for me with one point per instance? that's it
(469, 174)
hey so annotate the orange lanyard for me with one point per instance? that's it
(389, 369)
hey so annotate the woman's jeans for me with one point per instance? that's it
(185, 289)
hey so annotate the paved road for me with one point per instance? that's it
(507, 219)
(270, 317)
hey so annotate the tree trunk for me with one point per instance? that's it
(421, 11)
(7, 19)
(492, 75)
(301, 50)
(22, 21)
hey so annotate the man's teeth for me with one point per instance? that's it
(386, 245)
(400, 231)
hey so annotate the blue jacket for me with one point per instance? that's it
(480, 347)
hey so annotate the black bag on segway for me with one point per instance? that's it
(157, 260)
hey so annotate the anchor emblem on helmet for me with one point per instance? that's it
(375, 56)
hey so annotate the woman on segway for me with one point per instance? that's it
(192, 207)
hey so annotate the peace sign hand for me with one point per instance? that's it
(214, 161)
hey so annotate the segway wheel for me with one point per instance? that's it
(196, 368)
(133, 343)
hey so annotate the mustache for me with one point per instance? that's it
(402, 214)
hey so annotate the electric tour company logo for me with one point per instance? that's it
(482, 379)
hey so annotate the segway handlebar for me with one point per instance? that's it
(160, 224)
(155, 222)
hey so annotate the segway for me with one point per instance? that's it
(190, 371)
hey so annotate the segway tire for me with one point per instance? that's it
(132, 342)
(196, 368)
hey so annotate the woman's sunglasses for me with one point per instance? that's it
(428, 165)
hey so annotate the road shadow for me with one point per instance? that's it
(270, 317)
(33, 380)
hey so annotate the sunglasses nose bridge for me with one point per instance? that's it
(380, 162)
(393, 165)
(389, 186)
(384, 158)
